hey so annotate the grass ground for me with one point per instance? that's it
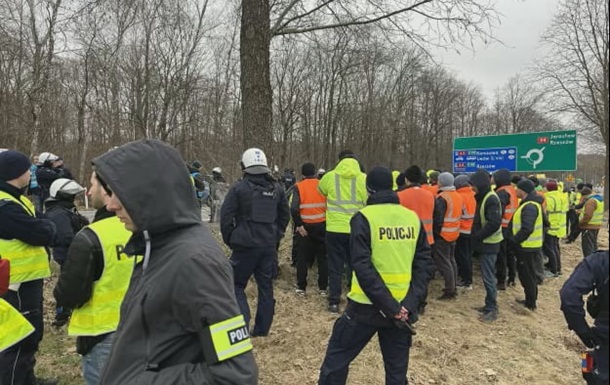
(452, 347)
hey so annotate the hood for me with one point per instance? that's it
(348, 168)
(151, 181)
(597, 197)
(480, 180)
(259, 179)
(502, 177)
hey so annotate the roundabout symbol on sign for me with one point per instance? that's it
(534, 156)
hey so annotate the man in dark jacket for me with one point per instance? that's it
(590, 275)
(387, 240)
(539, 258)
(46, 173)
(486, 238)
(526, 233)
(253, 219)
(179, 322)
(20, 231)
(506, 263)
(60, 209)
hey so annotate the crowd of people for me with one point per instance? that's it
(151, 297)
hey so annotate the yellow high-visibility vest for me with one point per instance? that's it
(101, 314)
(598, 214)
(394, 233)
(536, 237)
(13, 326)
(556, 208)
(496, 237)
(28, 263)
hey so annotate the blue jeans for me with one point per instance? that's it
(488, 271)
(94, 362)
(260, 262)
(338, 254)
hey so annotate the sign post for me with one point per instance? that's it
(529, 152)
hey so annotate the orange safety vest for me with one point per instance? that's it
(432, 188)
(451, 223)
(468, 209)
(312, 204)
(512, 205)
(422, 202)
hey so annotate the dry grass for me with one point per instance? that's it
(452, 347)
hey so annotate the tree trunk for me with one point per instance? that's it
(255, 74)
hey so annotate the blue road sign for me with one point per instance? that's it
(490, 159)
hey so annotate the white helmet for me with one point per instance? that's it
(217, 170)
(254, 161)
(321, 171)
(64, 187)
(47, 157)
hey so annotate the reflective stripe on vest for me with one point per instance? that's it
(100, 314)
(453, 213)
(513, 203)
(14, 327)
(468, 209)
(535, 239)
(342, 203)
(312, 205)
(422, 203)
(556, 214)
(497, 236)
(597, 219)
(394, 233)
(28, 263)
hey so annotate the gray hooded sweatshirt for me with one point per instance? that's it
(183, 283)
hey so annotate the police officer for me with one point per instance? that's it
(93, 282)
(392, 267)
(23, 238)
(253, 219)
(590, 274)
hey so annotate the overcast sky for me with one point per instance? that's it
(523, 21)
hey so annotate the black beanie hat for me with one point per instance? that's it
(308, 169)
(13, 164)
(414, 174)
(378, 179)
(526, 185)
(346, 154)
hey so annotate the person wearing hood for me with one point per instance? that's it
(539, 257)
(392, 268)
(556, 209)
(93, 281)
(525, 236)
(179, 321)
(463, 250)
(590, 220)
(61, 210)
(345, 190)
(486, 237)
(447, 216)
(506, 263)
(253, 219)
(23, 242)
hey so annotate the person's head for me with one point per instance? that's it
(35, 160)
(534, 180)
(400, 180)
(59, 162)
(47, 159)
(379, 179)
(501, 177)
(432, 176)
(551, 185)
(321, 173)
(346, 154)
(115, 205)
(308, 170)
(414, 174)
(196, 165)
(98, 191)
(254, 162)
(580, 186)
(445, 181)
(515, 179)
(15, 168)
(480, 181)
(64, 189)
(217, 171)
(524, 188)
(461, 181)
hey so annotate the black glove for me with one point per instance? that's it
(589, 338)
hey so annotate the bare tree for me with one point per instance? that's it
(576, 72)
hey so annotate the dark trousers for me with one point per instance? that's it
(463, 258)
(347, 340)
(260, 262)
(600, 360)
(539, 267)
(550, 248)
(337, 249)
(443, 254)
(17, 362)
(526, 266)
(505, 264)
(310, 248)
(574, 227)
(293, 250)
(572, 221)
(589, 241)
(488, 274)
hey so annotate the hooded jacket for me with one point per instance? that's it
(493, 215)
(181, 286)
(68, 222)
